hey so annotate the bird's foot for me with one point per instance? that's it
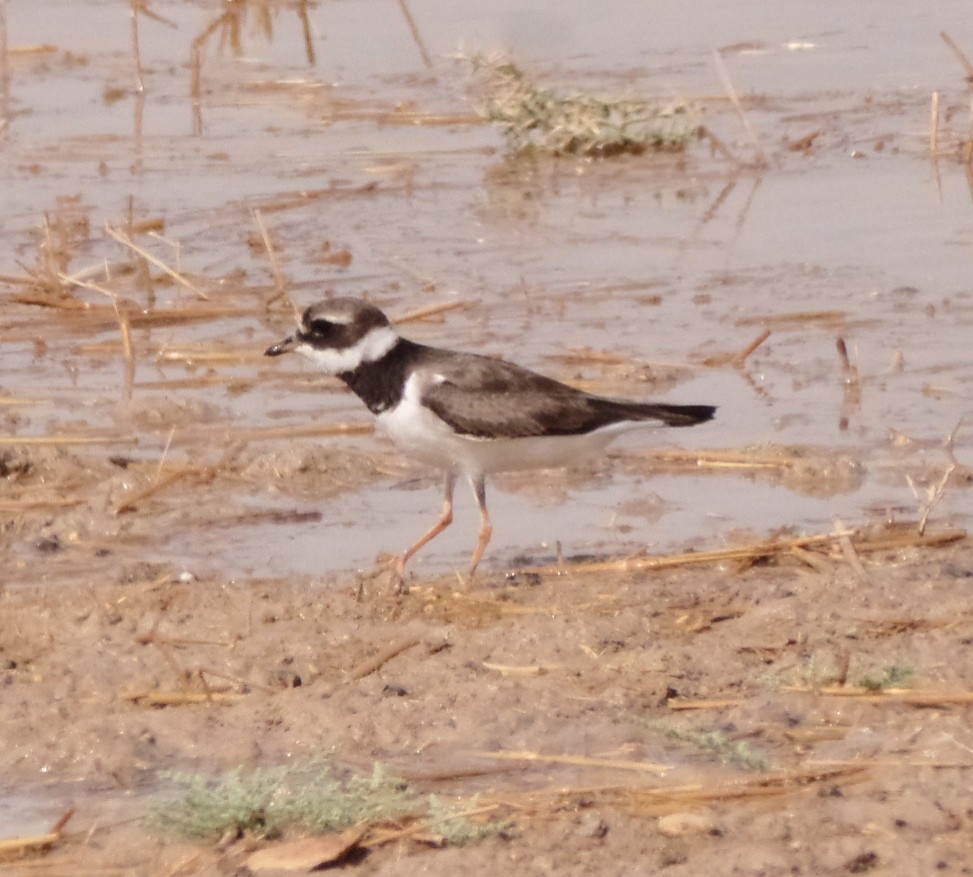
(397, 575)
(467, 579)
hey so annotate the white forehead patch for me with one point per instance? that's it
(342, 319)
(372, 346)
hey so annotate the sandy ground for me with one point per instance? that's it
(797, 711)
(706, 719)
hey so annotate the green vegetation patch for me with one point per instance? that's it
(267, 802)
(545, 120)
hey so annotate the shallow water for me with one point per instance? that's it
(661, 259)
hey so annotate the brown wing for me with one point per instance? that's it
(488, 398)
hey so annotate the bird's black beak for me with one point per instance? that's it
(281, 346)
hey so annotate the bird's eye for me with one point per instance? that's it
(321, 327)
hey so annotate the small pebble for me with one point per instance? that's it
(682, 824)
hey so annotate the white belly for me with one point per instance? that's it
(420, 434)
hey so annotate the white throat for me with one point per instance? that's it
(372, 346)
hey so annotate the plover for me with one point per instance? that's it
(466, 414)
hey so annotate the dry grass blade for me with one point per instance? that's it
(785, 782)
(735, 100)
(738, 359)
(907, 696)
(756, 459)
(55, 440)
(849, 552)
(721, 703)
(429, 311)
(654, 800)
(17, 847)
(851, 397)
(5, 110)
(934, 494)
(416, 36)
(38, 504)
(959, 53)
(376, 662)
(133, 502)
(720, 147)
(580, 761)
(136, 53)
(17, 400)
(784, 319)
(272, 433)
(211, 357)
(515, 670)
(280, 287)
(815, 561)
(159, 697)
(202, 474)
(752, 552)
(125, 241)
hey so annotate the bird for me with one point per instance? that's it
(466, 414)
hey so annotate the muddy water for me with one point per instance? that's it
(351, 130)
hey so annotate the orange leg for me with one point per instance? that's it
(486, 528)
(445, 519)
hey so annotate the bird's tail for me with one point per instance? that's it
(670, 415)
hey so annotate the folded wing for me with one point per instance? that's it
(475, 400)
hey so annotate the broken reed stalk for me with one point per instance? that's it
(5, 112)
(723, 459)
(136, 54)
(17, 847)
(280, 289)
(376, 662)
(740, 358)
(22, 400)
(968, 145)
(846, 365)
(657, 799)
(934, 125)
(678, 705)
(852, 391)
(735, 100)
(126, 241)
(204, 672)
(165, 453)
(201, 474)
(308, 33)
(211, 357)
(177, 698)
(416, 36)
(718, 145)
(56, 440)
(752, 552)
(132, 503)
(580, 761)
(959, 53)
(906, 696)
(429, 311)
(17, 507)
(124, 325)
(849, 552)
(519, 670)
(933, 495)
(815, 561)
(271, 433)
(782, 783)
